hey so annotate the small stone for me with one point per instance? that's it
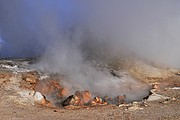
(120, 99)
(93, 102)
(135, 102)
(165, 102)
(121, 105)
(30, 80)
(32, 93)
(38, 96)
(97, 100)
(105, 103)
(173, 98)
(156, 85)
(145, 105)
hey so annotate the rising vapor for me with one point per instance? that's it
(67, 34)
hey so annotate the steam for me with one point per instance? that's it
(1, 43)
(67, 34)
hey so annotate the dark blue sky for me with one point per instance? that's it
(21, 24)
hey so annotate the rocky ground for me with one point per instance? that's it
(22, 99)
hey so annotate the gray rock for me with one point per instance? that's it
(155, 97)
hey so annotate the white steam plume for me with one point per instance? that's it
(68, 32)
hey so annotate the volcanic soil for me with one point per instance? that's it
(162, 104)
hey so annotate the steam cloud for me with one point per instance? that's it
(67, 33)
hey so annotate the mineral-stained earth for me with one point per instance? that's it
(30, 94)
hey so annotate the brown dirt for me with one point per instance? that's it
(14, 107)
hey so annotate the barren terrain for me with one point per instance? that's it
(19, 102)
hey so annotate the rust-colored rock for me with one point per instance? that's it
(5, 77)
(80, 98)
(120, 99)
(46, 102)
(69, 101)
(51, 89)
(29, 79)
(98, 101)
(84, 96)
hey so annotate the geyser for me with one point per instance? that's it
(73, 37)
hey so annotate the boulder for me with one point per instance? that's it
(52, 90)
(80, 98)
